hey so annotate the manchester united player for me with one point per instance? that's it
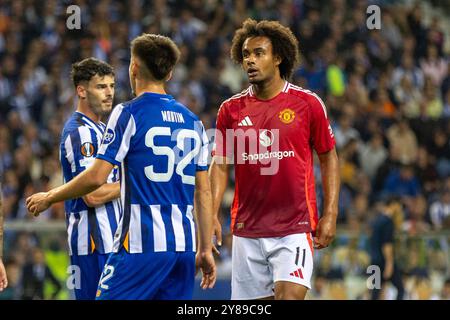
(276, 127)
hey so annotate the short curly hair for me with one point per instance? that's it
(284, 43)
(86, 69)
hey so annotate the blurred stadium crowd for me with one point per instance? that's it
(386, 91)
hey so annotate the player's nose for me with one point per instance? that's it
(250, 59)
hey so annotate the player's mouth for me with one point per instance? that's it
(252, 72)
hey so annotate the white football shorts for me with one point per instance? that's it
(257, 263)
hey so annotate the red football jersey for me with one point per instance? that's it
(271, 143)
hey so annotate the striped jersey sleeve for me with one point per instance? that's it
(79, 148)
(120, 129)
(202, 161)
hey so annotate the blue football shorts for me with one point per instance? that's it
(148, 276)
(90, 270)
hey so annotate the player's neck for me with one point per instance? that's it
(269, 89)
(84, 109)
(149, 87)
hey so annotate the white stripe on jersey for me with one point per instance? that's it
(204, 153)
(135, 235)
(117, 210)
(177, 223)
(83, 233)
(70, 231)
(159, 230)
(291, 86)
(105, 228)
(93, 126)
(69, 153)
(239, 95)
(125, 144)
(112, 122)
(119, 230)
(85, 136)
(191, 221)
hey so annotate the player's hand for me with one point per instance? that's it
(3, 278)
(38, 202)
(205, 261)
(217, 232)
(325, 233)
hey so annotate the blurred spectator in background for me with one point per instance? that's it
(344, 131)
(403, 140)
(14, 289)
(416, 223)
(431, 106)
(35, 274)
(372, 155)
(408, 70)
(426, 172)
(434, 66)
(440, 211)
(382, 248)
(440, 149)
(402, 182)
(445, 292)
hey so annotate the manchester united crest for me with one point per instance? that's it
(287, 116)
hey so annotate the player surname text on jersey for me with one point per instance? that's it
(171, 116)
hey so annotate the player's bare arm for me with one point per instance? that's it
(86, 182)
(218, 175)
(104, 194)
(326, 228)
(203, 216)
(3, 277)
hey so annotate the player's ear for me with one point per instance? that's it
(133, 68)
(81, 91)
(277, 60)
(169, 76)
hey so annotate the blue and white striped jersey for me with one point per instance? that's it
(88, 229)
(159, 145)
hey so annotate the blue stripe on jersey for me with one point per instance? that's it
(95, 142)
(127, 205)
(166, 214)
(74, 240)
(110, 211)
(148, 243)
(76, 144)
(67, 172)
(94, 231)
(187, 229)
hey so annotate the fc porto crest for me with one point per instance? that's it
(287, 116)
(108, 136)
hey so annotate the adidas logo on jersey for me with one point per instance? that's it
(297, 273)
(246, 122)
